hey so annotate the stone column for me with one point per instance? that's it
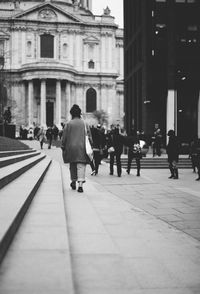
(84, 3)
(90, 5)
(198, 115)
(43, 103)
(30, 103)
(71, 48)
(58, 103)
(110, 52)
(103, 52)
(121, 52)
(73, 92)
(171, 111)
(68, 100)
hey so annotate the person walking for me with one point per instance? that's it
(196, 156)
(115, 144)
(73, 147)
(173, 150)
(98, 139)
(134, 151)
(49, 135)
(41, 136)
(193, 154)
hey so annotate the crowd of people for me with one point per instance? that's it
(42, 134)
(108, 144)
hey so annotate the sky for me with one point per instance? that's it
(116, 7)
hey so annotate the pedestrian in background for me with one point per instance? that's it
(193, 154)
(41, 136)
(157, 141)
(98, 139)
(173, 150)
(134, 151)
(55, 132)
(73, 147)
(115, 149)
(49, 135)
(196, 156)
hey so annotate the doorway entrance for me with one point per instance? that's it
(49, 113)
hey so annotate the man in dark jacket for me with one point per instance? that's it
(116, 141)
(173, 149)
(134, 151)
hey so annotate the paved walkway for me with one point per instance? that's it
(133, 235)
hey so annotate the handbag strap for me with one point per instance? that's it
(86, 132)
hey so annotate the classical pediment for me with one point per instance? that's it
(91, 40)
(47, 12)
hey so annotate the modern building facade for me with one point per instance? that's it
(162, 66)
(57, 53)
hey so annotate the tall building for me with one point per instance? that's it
(162, 66)
(56, 53)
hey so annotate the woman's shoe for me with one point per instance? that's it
(128, 171)
(73, 185)
(80, 189)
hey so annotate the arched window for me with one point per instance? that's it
(91, 100)
(47, 46)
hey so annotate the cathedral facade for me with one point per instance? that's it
(56, 53)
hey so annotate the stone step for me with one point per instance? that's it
(16, 197)
(11, 172)
(11, 144)
(4, 161)
(15, 152)
(151, 163)
(41, 246)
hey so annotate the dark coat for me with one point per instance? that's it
(73, 142)
(131, 140)
(116, 140)
(98, 138)
(173, 149)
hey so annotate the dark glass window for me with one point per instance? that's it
(91, 64)
(91, 100)
(47, 46)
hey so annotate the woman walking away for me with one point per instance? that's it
(173, 149)
(73, 147)
(134, 151)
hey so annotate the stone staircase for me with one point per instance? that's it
(27, 175)
(156, 162)
(20, 177)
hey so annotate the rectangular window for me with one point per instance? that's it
(47, 46)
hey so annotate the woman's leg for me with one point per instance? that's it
(81, 168)
(73, 174)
